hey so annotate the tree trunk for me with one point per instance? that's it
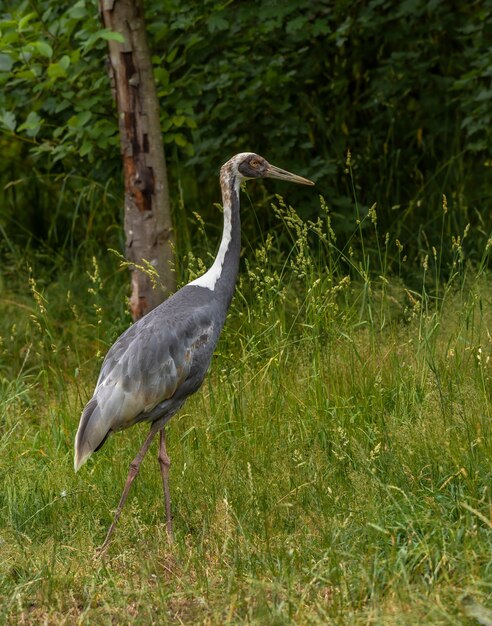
(148, 227)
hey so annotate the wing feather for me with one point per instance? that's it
(144, 368)
(152, 367)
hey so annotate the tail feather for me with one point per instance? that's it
(91, 434)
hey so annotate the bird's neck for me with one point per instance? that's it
(221, 277)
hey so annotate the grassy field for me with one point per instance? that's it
(335, 468)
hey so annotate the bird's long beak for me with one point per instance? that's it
(276, 172)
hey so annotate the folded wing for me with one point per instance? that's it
(144, 368)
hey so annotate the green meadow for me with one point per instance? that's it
(333, 469)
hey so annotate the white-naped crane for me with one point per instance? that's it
(162, 359)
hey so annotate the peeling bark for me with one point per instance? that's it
(148, 227)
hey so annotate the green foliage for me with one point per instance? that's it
(54, 93)
(59, 137)
(406, 88)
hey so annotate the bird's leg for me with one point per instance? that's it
(134, 467)
(164, 464)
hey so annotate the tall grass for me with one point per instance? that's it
(334, 468)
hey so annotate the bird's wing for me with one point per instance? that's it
(146, 366)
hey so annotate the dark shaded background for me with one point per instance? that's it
(406, 87)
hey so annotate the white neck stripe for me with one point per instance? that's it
(210, 278)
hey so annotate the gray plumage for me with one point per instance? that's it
(153, 367)
(162, 359)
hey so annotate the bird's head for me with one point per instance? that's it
(248, 165)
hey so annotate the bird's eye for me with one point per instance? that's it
(254, 163)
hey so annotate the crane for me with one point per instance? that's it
(152, 368)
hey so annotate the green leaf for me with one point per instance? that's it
(166, 124)
(55, 70)
(180, 140)
(9, 37)
(32, 124)
(171, 55)
(43, 48)
(111, 35)
(24, 21)
(83, 117)
(6, 62)
(296, 24)
(64, 62)
(161, 76)
(485, 94)
(64, 104)
(217, 23)
(79, 10)
(178, 120)
(190, 122)
(8, 120)
(85, 148)
(26, 74)
(9, 24)
(320, 27)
